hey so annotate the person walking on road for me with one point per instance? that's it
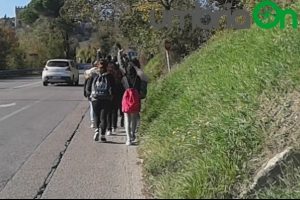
(101, 89)
(117, 100)
(131, 104)
(87, 76)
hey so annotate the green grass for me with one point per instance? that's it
(199, 125)
(155, 68)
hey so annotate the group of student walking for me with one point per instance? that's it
(115, 87)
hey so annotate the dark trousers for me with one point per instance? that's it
(101, 110)
(112, 119)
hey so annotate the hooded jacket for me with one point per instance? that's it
(90, 80)
(87, 75)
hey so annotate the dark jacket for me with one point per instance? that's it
(88, 75)
(133, 79)
(85, 88)
(117, 74)
(89, 83)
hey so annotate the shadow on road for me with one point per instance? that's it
(111, 142)
(29, 77)
(65, 85)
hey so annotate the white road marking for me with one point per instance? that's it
(30, 84)
(18, 111)
(7, 105)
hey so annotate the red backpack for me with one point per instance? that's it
(131, 102)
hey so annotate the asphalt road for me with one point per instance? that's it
(29, 113)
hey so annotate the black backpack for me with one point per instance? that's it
(101, 88)
(143, 91)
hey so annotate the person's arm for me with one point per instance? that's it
(84, 88)
(141, 74)
(125, 83)
(121, 62)
(113, 85)
(88, 88)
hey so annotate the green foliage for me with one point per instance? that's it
(42, 39)
(86, 55)
(135, 25)
(200, 127)
(155, 68)
(16, 59)
(106, 41)
(38, 10)
(49, 8)
(29, 16)
(10, 54)
(4, 48)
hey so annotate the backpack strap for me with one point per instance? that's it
(134, 82)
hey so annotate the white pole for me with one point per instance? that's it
(168, 60)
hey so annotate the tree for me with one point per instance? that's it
(29, 16)
(8, 43)
(135, 24)
(44, 40)
(49, 8)
(167, 4)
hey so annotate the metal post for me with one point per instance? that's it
(168, 60)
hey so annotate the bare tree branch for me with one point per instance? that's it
(167, 4)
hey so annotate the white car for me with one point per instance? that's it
(60, 71)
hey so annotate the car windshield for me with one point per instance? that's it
(58, 64)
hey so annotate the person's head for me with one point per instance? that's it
(109, 58)
(136, 62)
(102, 66)
(119, 46)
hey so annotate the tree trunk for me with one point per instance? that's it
(66, 44)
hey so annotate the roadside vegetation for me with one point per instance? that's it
(207, 126)
(202, 124)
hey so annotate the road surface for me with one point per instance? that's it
(47, 148)
(29, 113)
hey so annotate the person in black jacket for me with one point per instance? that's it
(101, 103)
(88, 75)
(117, 101)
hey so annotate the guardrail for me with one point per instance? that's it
(19, 72)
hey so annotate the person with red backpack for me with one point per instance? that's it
(131, 104)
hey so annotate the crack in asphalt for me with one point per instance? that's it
(57, 162)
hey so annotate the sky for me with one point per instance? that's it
(8, 7)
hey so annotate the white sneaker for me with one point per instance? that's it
(128, 143)
(96, 136)
(93, 124)
(114, 131)
(108, 133)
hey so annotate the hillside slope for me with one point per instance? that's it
(201, 124)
